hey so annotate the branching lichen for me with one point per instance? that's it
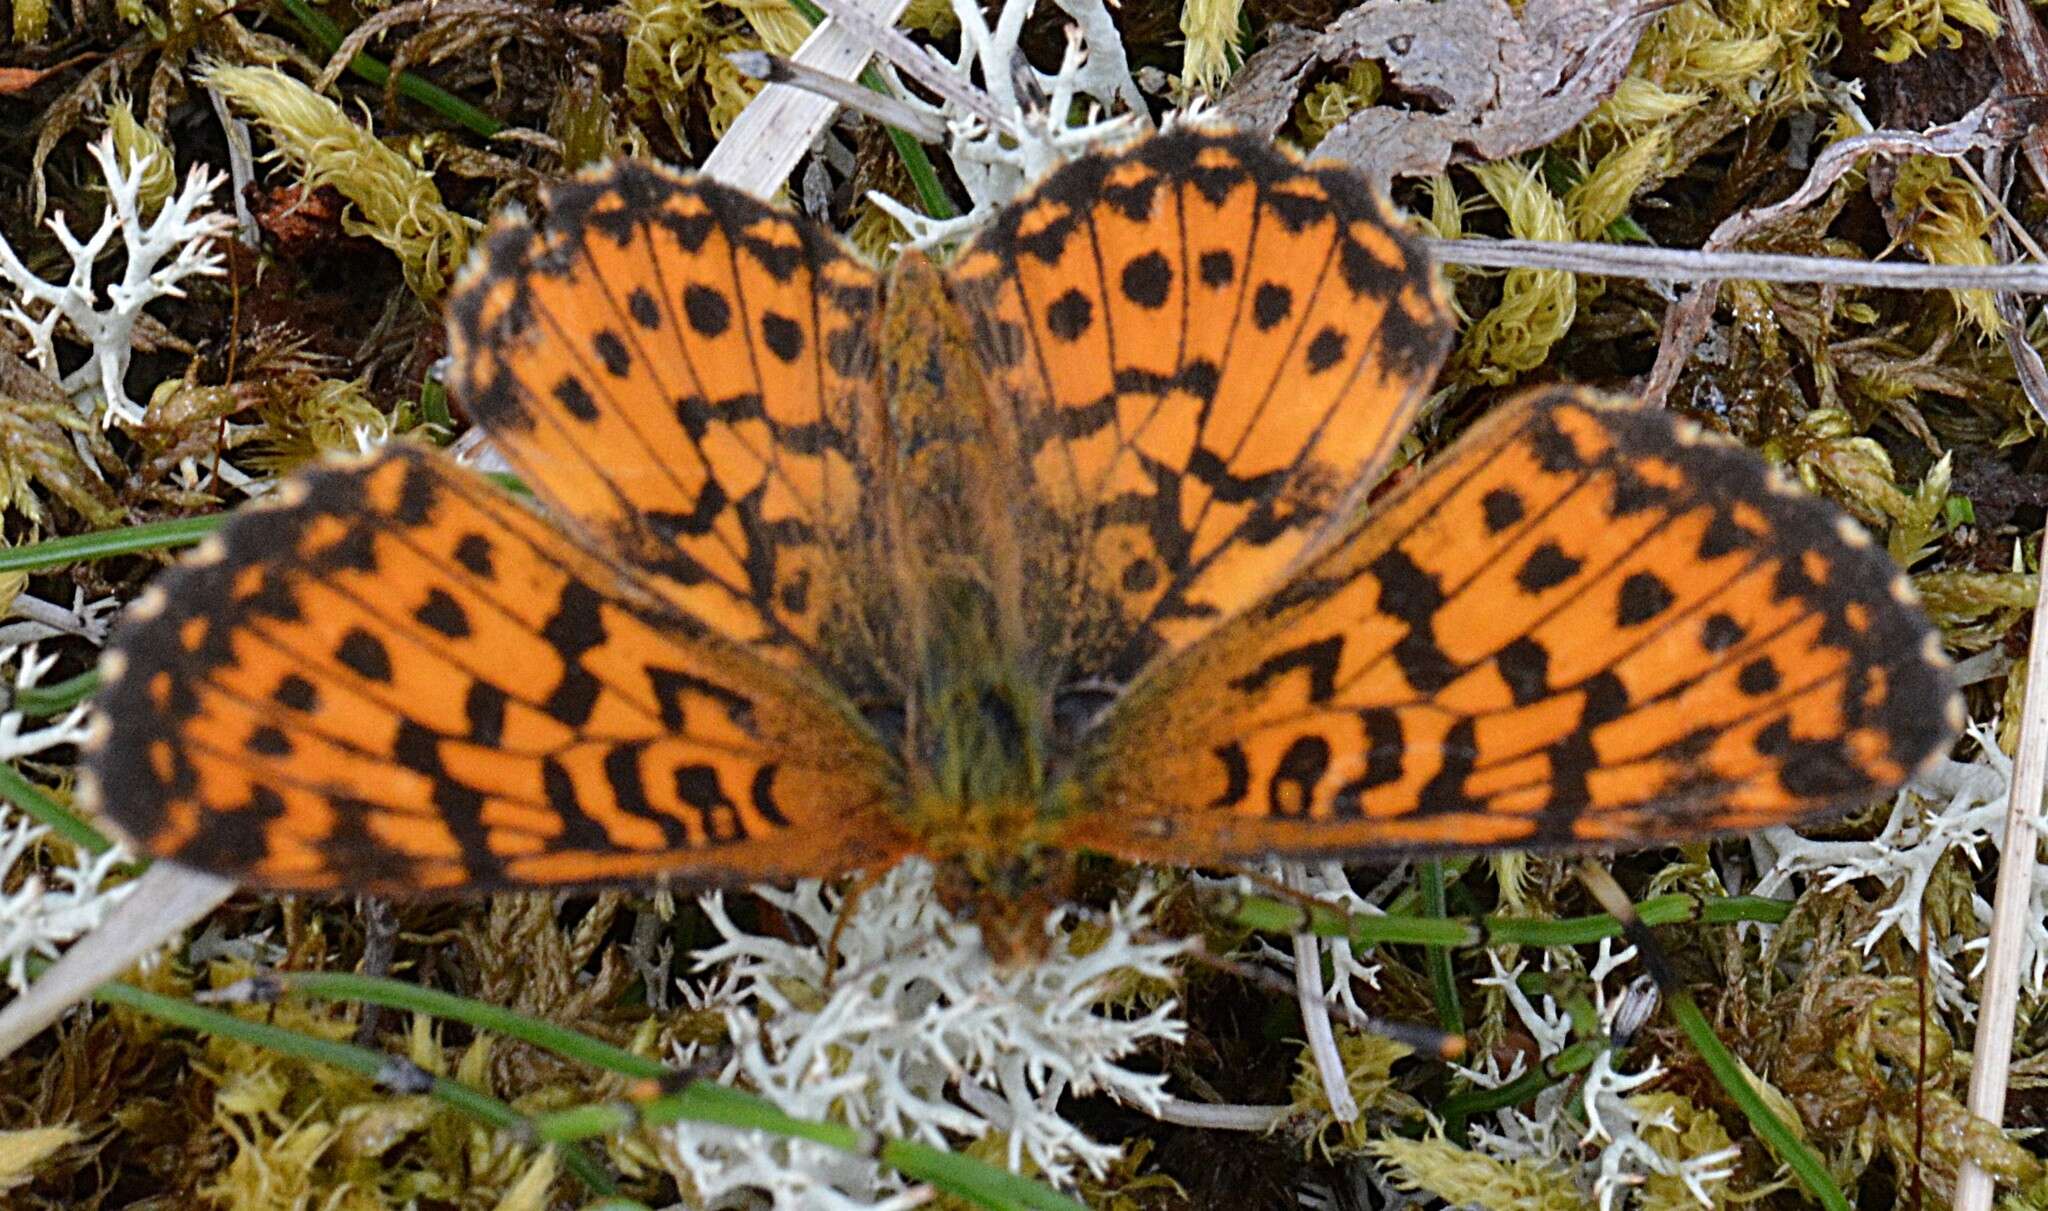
(916, 1033)
(162, 253)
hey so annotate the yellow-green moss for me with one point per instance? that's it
(1946, 220)
(1913, 27)
(1211, 53)
(1368, 1073)
(1332, 101)
(1468, 1179)
(392, 198)
(1536, 306)
(31, 20)
(135, 141)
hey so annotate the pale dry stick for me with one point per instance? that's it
(1221, 1116)
(1705, 265)
(164, 901)
(914, 61)
(1998, 1005)
(2010, 224)
(241, 169)
(1315, 1009)
(2012, 318)
(761, 147)
(1995, 123)
(890, 111)
(2020, 49)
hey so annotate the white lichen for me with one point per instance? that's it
(1950, 807)
(1036, 132)
(917, 1035)
(17, 738)
(177, 243)
(1327, 973)
(45, 909)
(1610, 1156)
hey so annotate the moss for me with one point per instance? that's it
(1944, 217)
(392, 197)
(1536, 306)
(667, 44)
(31, 20)
(1330, 102)
(1679, 1130)
(1212, 53)
(1466, 1178)
(135, 142)
(1369, 1061)
(1914, 27)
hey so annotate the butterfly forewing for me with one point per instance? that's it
(683, 372)
(1586, 624)
(396, 679)
(1210, 351)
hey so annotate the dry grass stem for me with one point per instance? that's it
(1998, 1004)
(913, 61)
(773, 132)
(1707, 265)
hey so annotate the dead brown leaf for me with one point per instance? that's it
(17, 80)
(1485, 82)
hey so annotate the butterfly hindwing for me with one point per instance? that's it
(683, 372)
(1210, 350)
(394, 678)
(1585, 624)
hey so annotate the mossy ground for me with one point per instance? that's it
(1905, 407)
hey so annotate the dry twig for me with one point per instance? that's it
(1995, 123)
(1709, 266)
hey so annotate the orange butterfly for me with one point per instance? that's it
(1064, 547)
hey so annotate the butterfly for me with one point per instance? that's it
(1067, 546)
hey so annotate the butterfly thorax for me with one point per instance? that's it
(978, 757)
(976, 736)
(977, 724)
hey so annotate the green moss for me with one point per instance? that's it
(392, 197)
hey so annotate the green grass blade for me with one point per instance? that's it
(327, 37)
(38, 806)
(104, 544)
(397, 994)
(704, 1102)
(1461, 1107)
(361, 1060)
(43, 701)
(701, 1101)
(1443, 977)
(1792, 1150)
(966, 1177)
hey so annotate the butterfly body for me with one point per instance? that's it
(1060, 547)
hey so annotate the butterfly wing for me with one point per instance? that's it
(683, 374)
(394, 678)
(1585, 624)
(1210, 350)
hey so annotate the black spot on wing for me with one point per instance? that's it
(707, 310)
(365, 655)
